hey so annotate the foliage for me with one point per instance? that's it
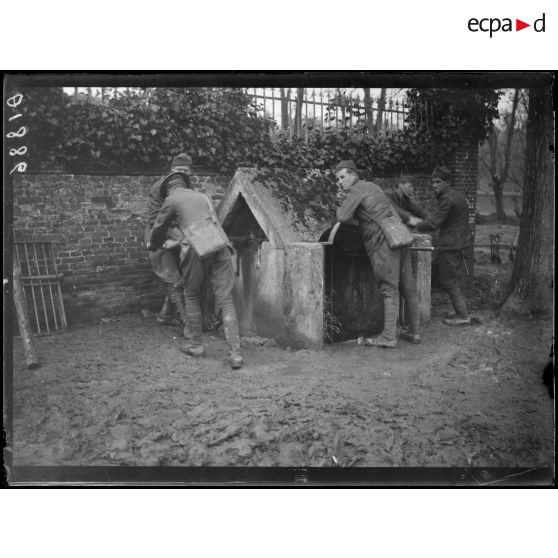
(400, 152)
(308, 194)
(223, 128)
(443, 119)
(143, 129)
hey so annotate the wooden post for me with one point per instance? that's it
(23, 319)
(422, 248)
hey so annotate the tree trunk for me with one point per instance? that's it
(496, 178)
(341, 104)
(381, 107)
(498, 189)
(509, 137)
(368, 111)
(499, 166)
(285, 97)
(298, 111)
(531, 288)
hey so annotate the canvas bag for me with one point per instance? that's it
(205, 235)
(396, 233)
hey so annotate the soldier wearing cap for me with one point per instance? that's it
(165, 262)
(403, 199)
(183, 212)
(451, 217)
(368, 205)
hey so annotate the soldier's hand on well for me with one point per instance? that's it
(169, 243)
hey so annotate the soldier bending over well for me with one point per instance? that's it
(386, 239)
(200, 231)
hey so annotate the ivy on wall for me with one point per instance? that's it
(223, 128)
(306, 193)
(445, 118)
(142, 130)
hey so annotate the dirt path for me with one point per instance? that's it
(122, 393)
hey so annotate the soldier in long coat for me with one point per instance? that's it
(165, 262)
(451, 217)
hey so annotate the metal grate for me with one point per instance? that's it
(41, 285)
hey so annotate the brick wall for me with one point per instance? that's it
(464, 167)
(97, 222)
(466, 175)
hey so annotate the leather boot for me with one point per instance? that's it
(410, 337)
(391, 313)
(388, 336)
(460, 305)
(166, 310)
(230, 328)
(193, 344)
(412, 334)
(187, 349)
(175, 294)
(414, 316)
(165, 316)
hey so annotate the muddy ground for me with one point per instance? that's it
(121, 393)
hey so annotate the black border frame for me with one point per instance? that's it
(242, 476)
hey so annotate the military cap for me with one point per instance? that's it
(182, 160)
(442, 172)
(346, 165)
(405, 179)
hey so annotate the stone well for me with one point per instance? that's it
(293, 284)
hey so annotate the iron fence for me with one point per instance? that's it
(300, 110)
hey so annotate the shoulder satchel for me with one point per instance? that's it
(396, 233)
(205, 235)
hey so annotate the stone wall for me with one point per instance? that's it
(97, 222)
